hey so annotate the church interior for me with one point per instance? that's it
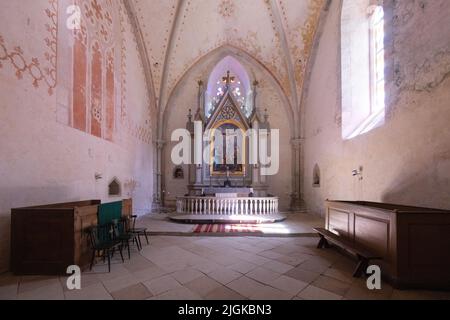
(224, 150)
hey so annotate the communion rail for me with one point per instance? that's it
(227, 206)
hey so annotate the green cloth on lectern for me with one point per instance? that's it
(108, 212)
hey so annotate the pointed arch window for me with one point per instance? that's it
(239, 84)
(236, 87)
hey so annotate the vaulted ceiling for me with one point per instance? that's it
(176, 34)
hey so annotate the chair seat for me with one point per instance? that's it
(106, 245)
(138, 230)
(124, 237)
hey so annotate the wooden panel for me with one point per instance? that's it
(339, 222)
(45, 240)
(429, 245)
(127, 207)
(427, 259)
(372, 234)
(414, 242)
(69, 205)
(85, 217)
(42, 241)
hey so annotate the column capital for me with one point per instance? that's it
(160, 144)
(297, 143)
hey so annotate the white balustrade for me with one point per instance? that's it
(227, 206)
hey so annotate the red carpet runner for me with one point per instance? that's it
(227, 228)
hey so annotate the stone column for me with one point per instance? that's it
(256, 167)
(200, 116)
(198, 167)
(255, 95)
(158, 197)
(201, 99)
(297, 203)
(192, 181)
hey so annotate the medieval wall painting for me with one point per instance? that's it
(94, 64)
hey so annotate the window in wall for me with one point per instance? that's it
(236, 89)
(377, 62)
(239, 86)
(363, 79)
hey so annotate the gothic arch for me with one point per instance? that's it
(216, 56)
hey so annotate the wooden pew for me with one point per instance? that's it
(414, 242)
(364, 256)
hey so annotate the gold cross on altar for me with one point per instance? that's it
(228, 79)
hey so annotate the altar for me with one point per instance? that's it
(231, 186)
(227, 192)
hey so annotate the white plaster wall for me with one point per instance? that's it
(406, 161)
(43, 161)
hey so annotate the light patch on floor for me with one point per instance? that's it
(295, 224)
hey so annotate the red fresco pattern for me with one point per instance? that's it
(93, 104)
(96, 91)
(79, 82)
(110, 96)
(38, 72)
(99, 77)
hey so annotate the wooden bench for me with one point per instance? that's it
(364, 256)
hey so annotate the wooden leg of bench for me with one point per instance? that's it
(323, 243)
(361, 268)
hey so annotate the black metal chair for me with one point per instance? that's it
(103, 243)
(138, 231)
(123, 234)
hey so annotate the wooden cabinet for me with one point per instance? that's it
(45, 240)
(414, 242)
(127, 208)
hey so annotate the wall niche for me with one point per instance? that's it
(316, 176)
(178, 173)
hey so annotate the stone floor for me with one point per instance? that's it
(295, 224)
(212, 268)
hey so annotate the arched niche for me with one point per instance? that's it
(316, 176)
(178, 173)
(114, 188)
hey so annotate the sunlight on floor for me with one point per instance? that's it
(263, 228)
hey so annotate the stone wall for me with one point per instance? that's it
(74, 104)
(406, 161)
